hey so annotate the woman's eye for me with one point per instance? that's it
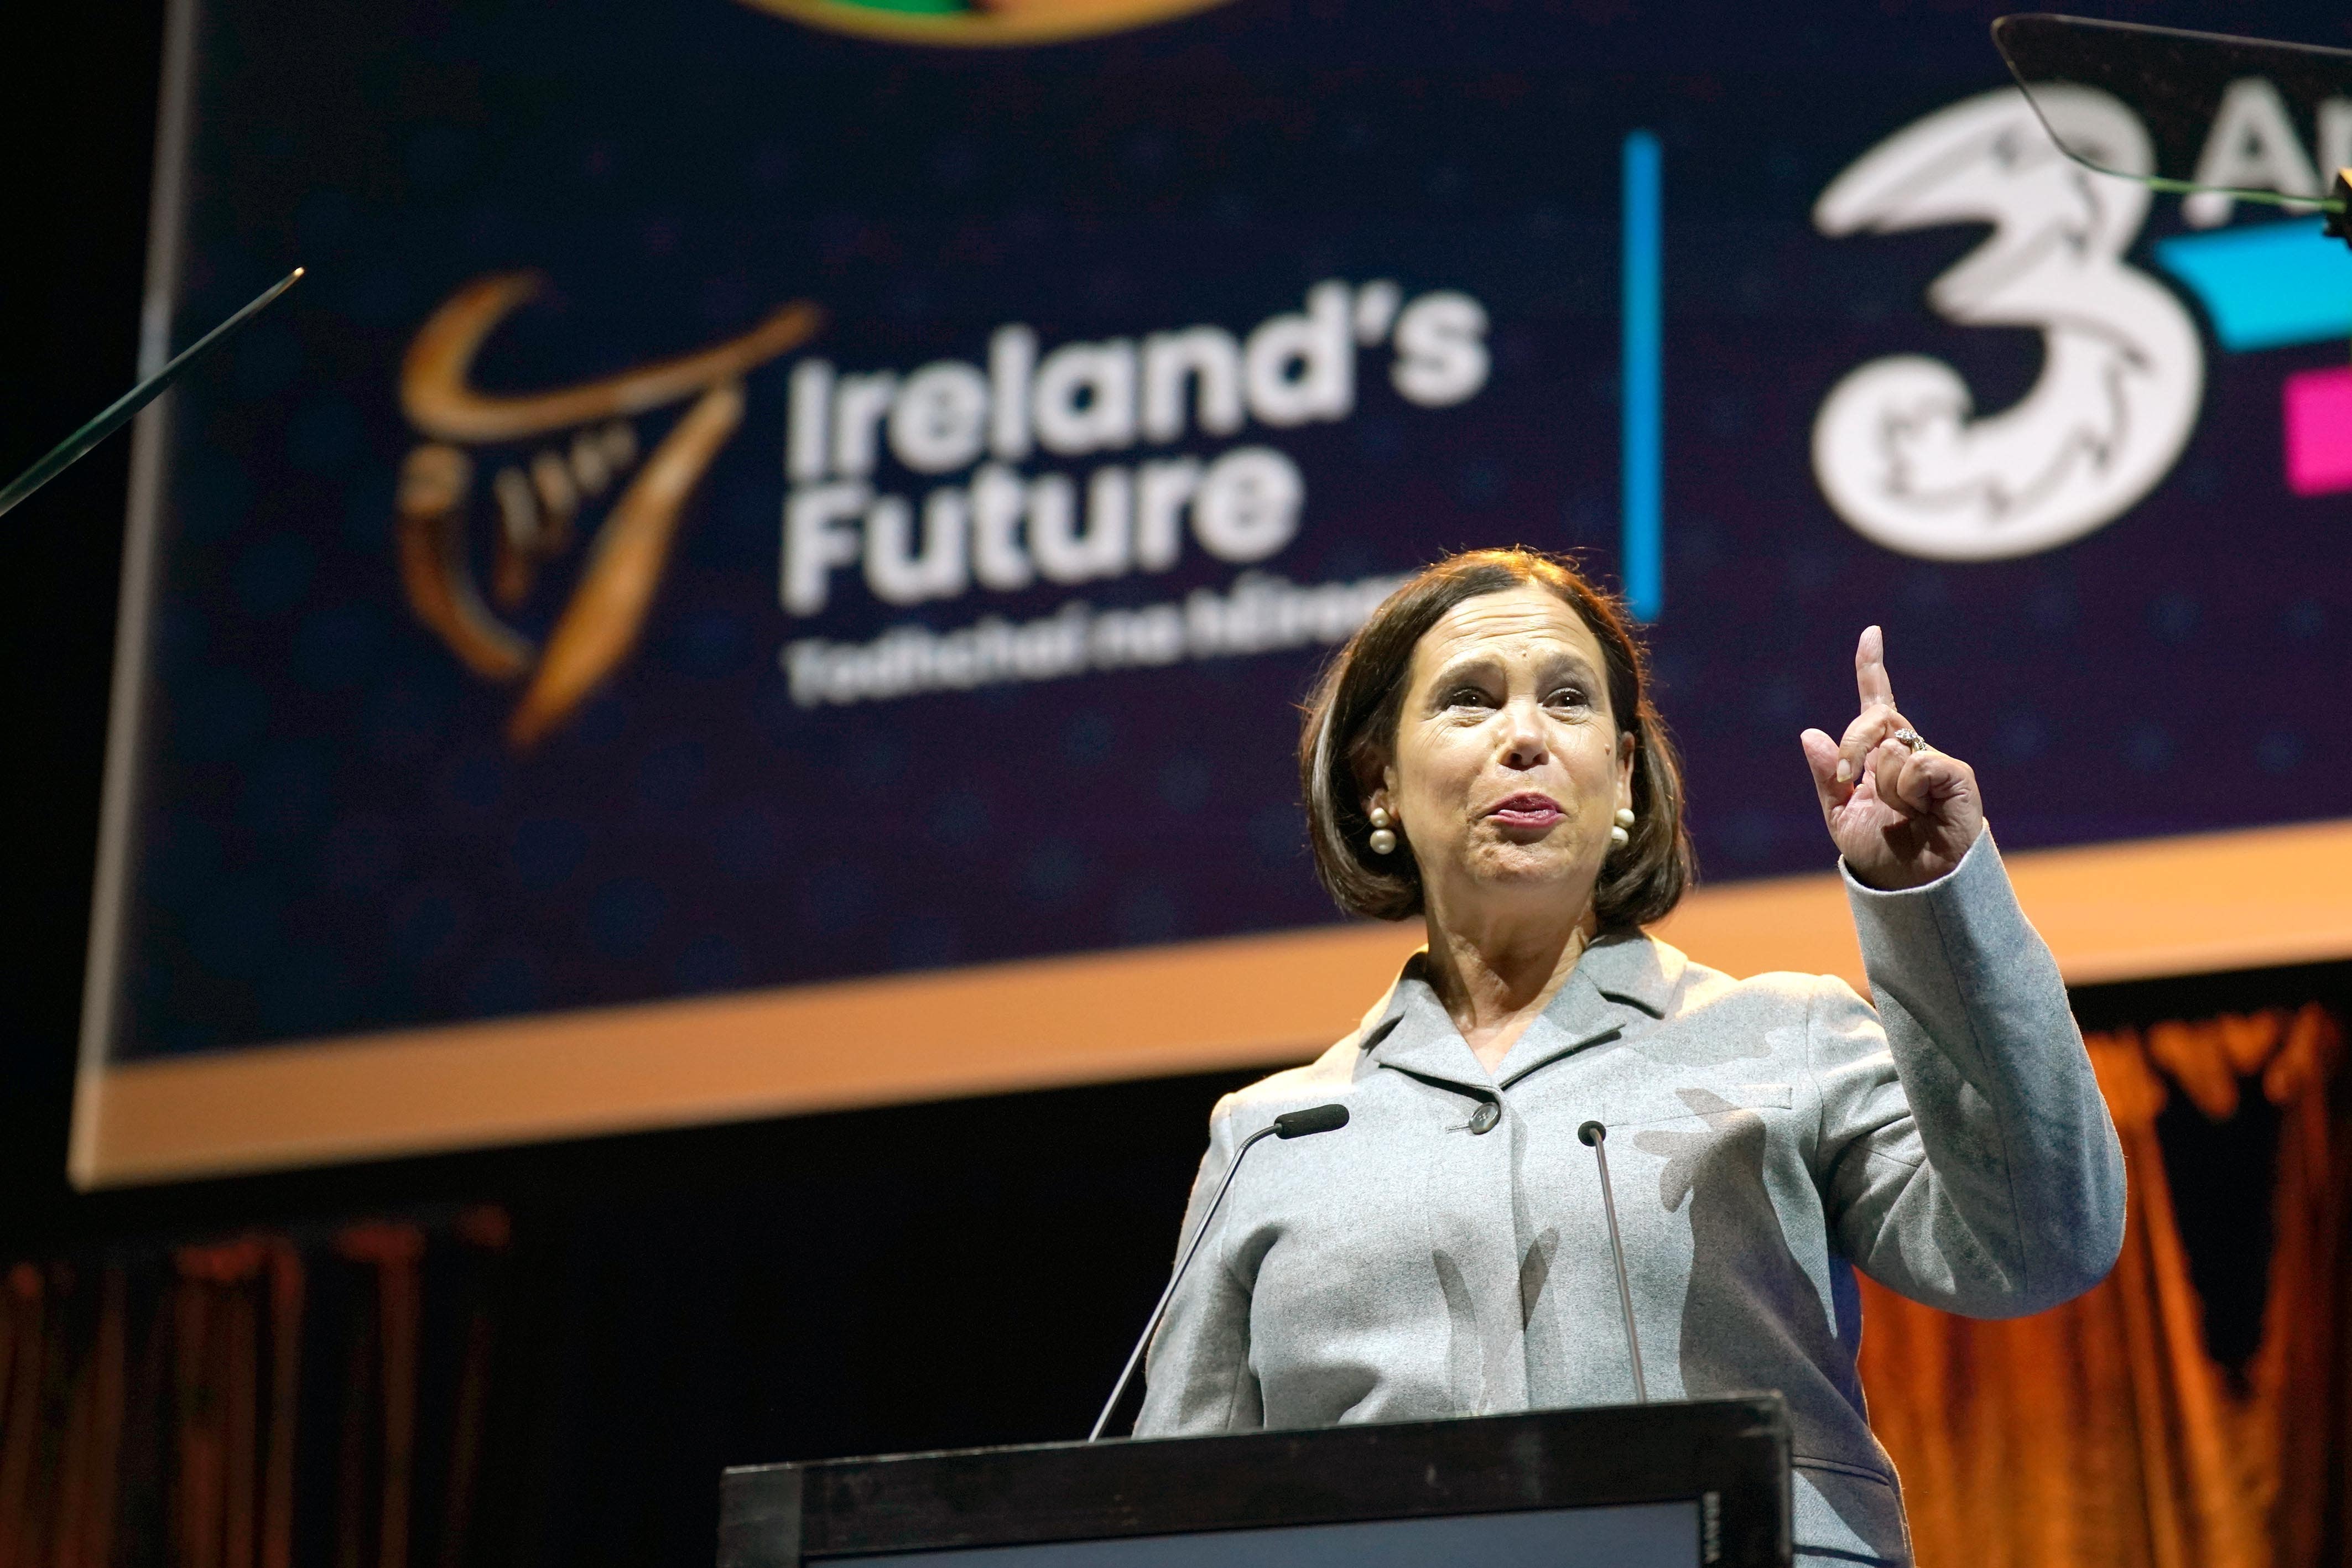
(1467, 697)
(1568, 696)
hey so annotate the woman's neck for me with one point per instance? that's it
(1495, 976)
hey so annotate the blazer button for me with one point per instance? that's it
(1484, 1118)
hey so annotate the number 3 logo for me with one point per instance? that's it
(1897, 446)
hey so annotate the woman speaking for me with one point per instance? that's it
(1482, 754)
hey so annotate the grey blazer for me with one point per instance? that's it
(1768, 1136)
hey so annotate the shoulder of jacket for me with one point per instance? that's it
(1704, 988)
(1292, 1087)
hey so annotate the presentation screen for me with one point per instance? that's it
(773, 559)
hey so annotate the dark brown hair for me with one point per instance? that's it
(1352, 726)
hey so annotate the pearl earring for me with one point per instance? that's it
(1382, 840)
(1621, 834)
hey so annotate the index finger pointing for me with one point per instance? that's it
(1870, 670)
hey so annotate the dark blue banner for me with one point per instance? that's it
(751, 497)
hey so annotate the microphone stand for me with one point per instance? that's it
(118, 414)
(1291, 1124)
(1596, 1138)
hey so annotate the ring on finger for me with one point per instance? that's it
(1910, 738)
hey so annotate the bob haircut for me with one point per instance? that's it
(1352, 726)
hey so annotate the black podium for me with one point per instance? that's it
(1698, 1484)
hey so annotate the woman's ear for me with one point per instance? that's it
(1629, 746)
(1376, 783)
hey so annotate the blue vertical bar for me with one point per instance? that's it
(1642, 565)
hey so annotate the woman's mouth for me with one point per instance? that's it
(1526, 810)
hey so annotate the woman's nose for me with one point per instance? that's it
(1524, 745)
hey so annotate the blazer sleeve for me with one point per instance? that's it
(1197, 1376)
(1965, 1157)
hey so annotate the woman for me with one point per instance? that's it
(1482, 754)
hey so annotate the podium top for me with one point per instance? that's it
(1703, 1482)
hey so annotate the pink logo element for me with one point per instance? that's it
(2320, 431)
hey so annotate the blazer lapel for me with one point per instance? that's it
(1413, 1035)
(1620, 982)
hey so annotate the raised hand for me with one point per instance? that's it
(1900, 817)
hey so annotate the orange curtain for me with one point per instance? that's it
(380, 1403)
(2103, 1432)
(61, 1382)
(236, 1308)
(185, 1452)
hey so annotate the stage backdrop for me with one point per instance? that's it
(770, 561)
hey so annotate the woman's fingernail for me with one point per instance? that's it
(1845, 770)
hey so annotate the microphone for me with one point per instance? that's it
(1596, 1138)
(1305, 1123)
(1289, 1124)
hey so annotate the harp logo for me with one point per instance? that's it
(558, 450)
(981, 24)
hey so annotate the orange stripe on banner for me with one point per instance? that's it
(2111, 912)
